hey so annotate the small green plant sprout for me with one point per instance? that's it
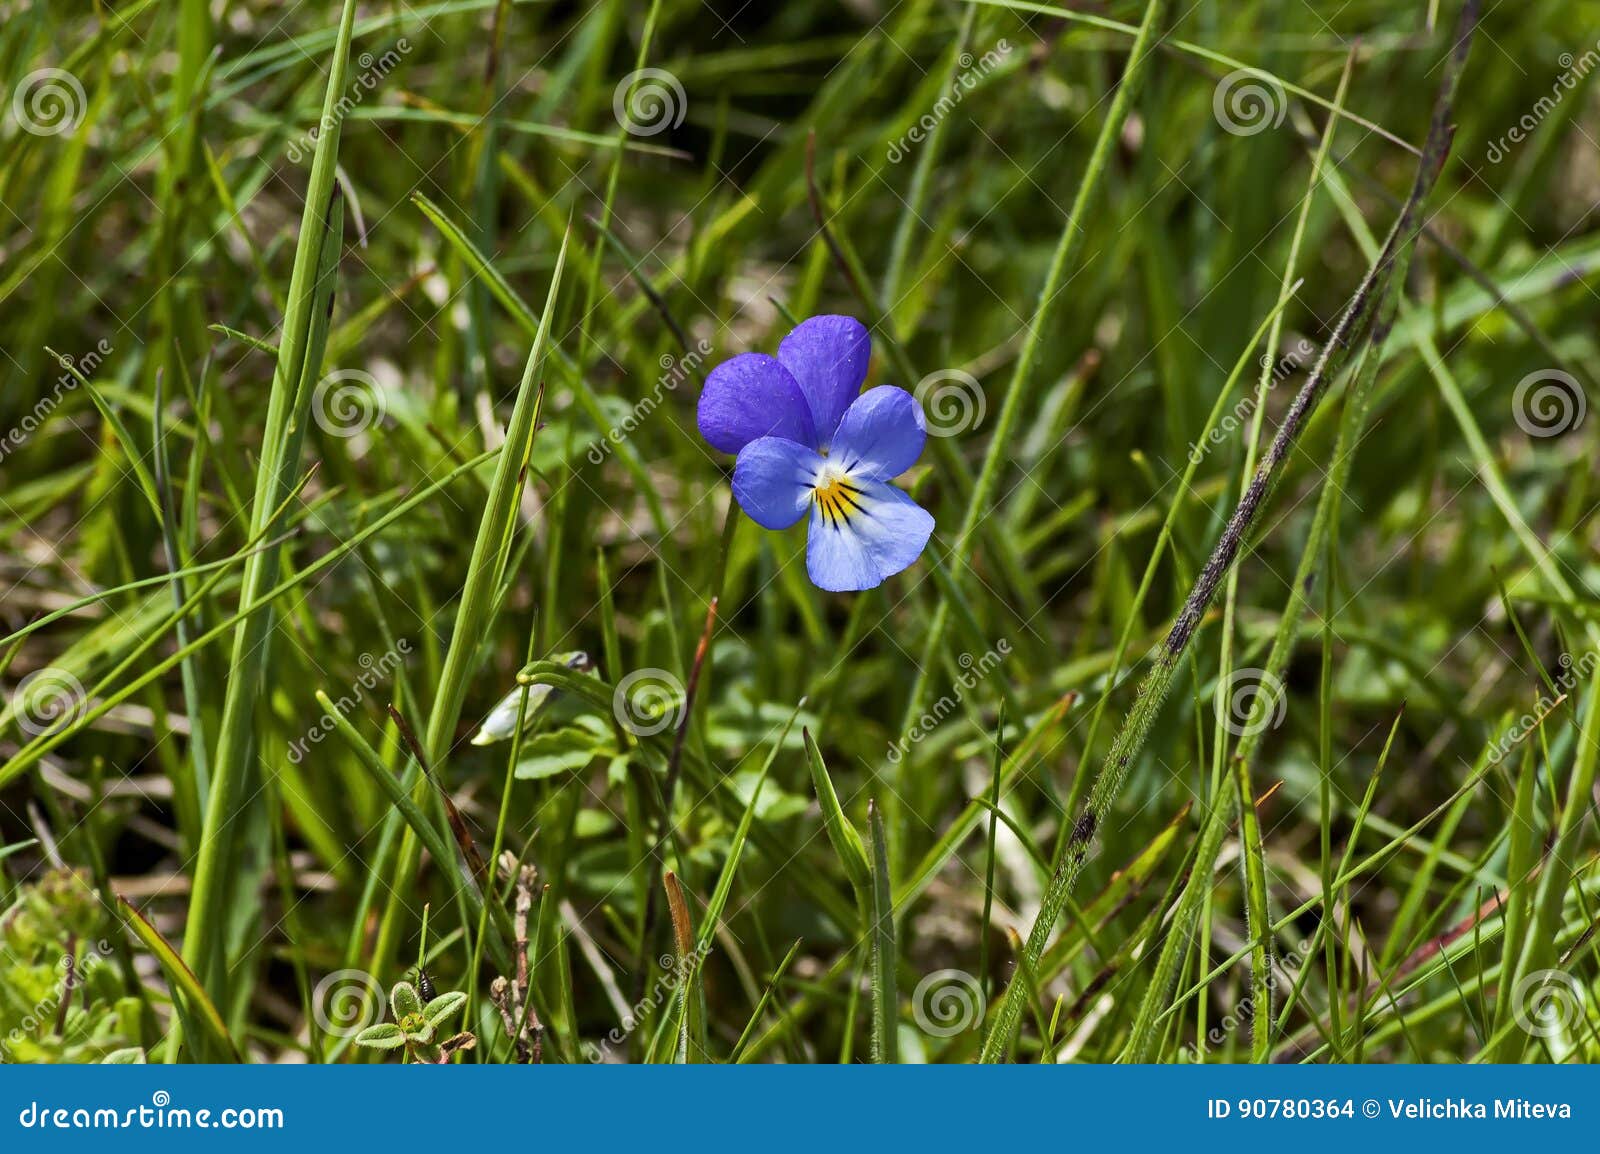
(62, 990)
(416, 1025)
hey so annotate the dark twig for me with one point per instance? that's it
(657, 301)
(458, 824)
(818, 212)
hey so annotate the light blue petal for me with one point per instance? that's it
(883, 532)
(882, 434)
(772, 481)
(828, 356)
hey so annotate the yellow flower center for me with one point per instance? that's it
(838, 497)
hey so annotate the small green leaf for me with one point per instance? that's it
(405, 1001)
(773, 804)
(246, 339)
(550, 754)
(383, 1036)
(7, 850)
(446, 1005)
(846, 841)
(200, 1006)
(129, 1056)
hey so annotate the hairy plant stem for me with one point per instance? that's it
(1371, 312)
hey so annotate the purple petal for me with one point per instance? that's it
(828, 356)
(882, 434)
(882, 533)
(753, 396)
(772, 481)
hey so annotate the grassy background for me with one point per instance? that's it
(249, 301)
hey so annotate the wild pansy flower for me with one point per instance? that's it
(807, 437)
